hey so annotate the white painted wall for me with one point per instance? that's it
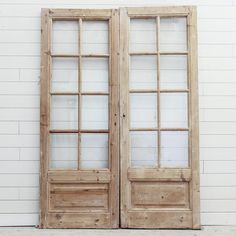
(19, 104)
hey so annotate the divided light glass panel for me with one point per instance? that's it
(143, 105)
(174, 149)
(95, 75)
(173, 72)
(94, 108)
(143, 72)
(65, 37)
(94, 151)
(173, 34)
(143, 110)
(173, 105)
(174, 110)
(64, 112)
(90, 113)
(143, 148)
(64, 151)
(64, 75)
(94, 112)
(143, 35)
(95, 37)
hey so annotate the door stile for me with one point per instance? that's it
(114, 118)
(46, 26)
(194, 116)
(124, 117)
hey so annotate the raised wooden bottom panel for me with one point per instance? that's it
(159, 194)
(160, 220)
(78, 197)
(79, 220)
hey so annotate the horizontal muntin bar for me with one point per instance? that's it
(76, 93)
(75, 131)
(161, 91)
(158, 129)
(143, 53)
(95, 55)
(143, 91)
(80, 55)
(174, 90)
(157, 53)
(174, 53)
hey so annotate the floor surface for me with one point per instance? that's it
(31, 231)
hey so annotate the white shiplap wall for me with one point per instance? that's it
(19, 104)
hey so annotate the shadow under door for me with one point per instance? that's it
(119, 121)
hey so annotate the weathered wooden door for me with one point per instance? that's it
(79, 119)
(159, 118)
(143, 135)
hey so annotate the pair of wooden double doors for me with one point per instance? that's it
(119, 118)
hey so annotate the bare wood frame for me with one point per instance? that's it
(118, 116)
(190, 174)
(110, 176)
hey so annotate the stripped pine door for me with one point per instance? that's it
(159, 118)
(79, 119)
(119, 119)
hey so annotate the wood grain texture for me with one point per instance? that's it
(159, 195)
(155, 174)
(19, 126)
(44, 114)
(80, 198)
(70, 14)
(149, 12)
(124, 117)
(82, 176)
(160, 219)
(114, 161)
(78, 220)
(139, 209)
(194, 116)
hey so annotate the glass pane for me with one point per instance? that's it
(143, 148)
(94, 151)
(174, 149)
(64, 151)
(143, 72)
(173, 72)
(174, 112)
(143, 110)
(94, 112)
(65, 37)
(95, 37)
(64, 75)
(173, 35)
(143, 35)
(95, 75)
(64, 112)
